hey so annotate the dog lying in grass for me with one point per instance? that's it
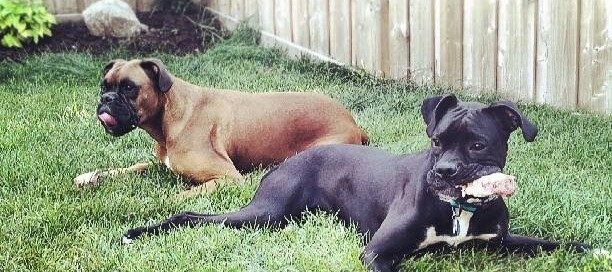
(449, 194)
(206, 134)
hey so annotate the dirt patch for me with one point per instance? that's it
(177, 34)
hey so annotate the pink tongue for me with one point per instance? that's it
(107, 119)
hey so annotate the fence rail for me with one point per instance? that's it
(542, 51)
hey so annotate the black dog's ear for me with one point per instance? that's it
(434, 108)
(156, 71)
(513, 119)
(109, 66)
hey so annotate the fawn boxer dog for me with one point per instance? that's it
(204, 133)
(402, 204)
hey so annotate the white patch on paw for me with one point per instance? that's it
(126, 241)
(602, 253)
(90, 178)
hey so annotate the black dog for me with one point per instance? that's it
(403, 204)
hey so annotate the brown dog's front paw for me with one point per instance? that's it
(87, 179)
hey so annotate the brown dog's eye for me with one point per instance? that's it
(477, 146)
(130, 88)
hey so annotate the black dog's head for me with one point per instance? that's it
(130, 94)
(469, 140)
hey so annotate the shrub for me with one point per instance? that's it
(23, 21)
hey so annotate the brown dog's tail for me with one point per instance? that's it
(365, 140)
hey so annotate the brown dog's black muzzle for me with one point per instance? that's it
(123, 114)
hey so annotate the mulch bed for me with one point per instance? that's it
(176, 34)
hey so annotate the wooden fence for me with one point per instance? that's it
(543, 51)
(70, 10)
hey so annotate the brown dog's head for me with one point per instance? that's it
(130, 93)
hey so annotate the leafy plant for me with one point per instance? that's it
(23, 21)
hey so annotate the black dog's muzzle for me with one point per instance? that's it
(449, 189)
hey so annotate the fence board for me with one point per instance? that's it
(237, 9)
(557, 47)
(421, 50)
(398, 39)
(251, 13)
(448, 42)
(65, 6)
(282, 19)
(479, 45)
(595, 83)
(318, 12)
(79, 5)
(146, 5)
(299, 21)
(224, 7)
(266, 20)
(340, 30)
(370, 35)
(516, 49)
(50, 6)
(212, 4)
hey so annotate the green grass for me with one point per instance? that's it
(49, 134)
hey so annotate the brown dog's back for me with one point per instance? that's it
(267, 128)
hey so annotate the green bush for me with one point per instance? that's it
(23, 21)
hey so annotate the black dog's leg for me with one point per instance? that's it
(248, 216)
(530, 246)
(279, 197)
(395, 239)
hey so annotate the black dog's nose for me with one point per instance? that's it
(445, 169)
(108, 97)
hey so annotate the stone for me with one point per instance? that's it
(112, 18)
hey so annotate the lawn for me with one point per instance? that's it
(49, 134)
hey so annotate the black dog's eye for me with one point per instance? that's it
(477, 146)
(435, 142)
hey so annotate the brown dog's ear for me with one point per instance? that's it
(156, 71)
(512, 119)
(109, 65)
(434, 108)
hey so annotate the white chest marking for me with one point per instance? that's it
(167, 162)
(431, 236)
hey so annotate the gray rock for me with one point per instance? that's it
(112, 18)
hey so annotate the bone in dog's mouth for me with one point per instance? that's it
(496, 184)
(486, 183)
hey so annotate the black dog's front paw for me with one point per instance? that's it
(132, 235)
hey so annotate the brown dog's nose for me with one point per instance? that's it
(445, 169)
(108, 97)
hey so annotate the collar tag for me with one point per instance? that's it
(456, 224)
